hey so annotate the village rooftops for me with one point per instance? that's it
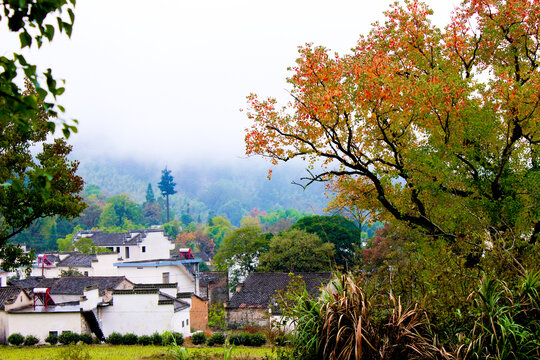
(101, 238)
(60, 308)
(78, 260)
(156, 262)
(71, 285)
(8, 294)
(259, 289)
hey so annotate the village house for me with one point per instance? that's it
(254, 301)
(11, 297)
(214, 286)
(135, 245)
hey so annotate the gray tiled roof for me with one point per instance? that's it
(260, 288)
(29, 283)
(7, 293)
(78, 260)
(210, 277)
(179, 304)
(113, 239)
(75, 285)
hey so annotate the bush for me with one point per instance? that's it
(68, 337)
(30, 340)
(52, 339)
(15, 339)
(115, 339)
(145, 340)
(169, 336)
(130, 339)
(86, 338)
(216, 338)
(257, 339)
(198, 338)
(74, 352)
(247, 339)
(157, 339)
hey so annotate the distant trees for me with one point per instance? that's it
(297, 251)
(166, 186)
(121, 212)
(240, 252)
(336, 229)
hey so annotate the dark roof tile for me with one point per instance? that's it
(78, 260)
(259, 288)
(8, 293)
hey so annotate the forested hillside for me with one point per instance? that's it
(228, 190)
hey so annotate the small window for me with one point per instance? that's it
(118, 249)
(182, 323)
(165, 277)
(110, 248)
(127, 252)
(53, 333)
(144, 249)
(86, 273)
(187, 321)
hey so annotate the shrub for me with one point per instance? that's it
(216, 316)
(198, 338)
(257, 339)
(216, 338)
(145, 340)
(68, 337)
(86, 338)
(237, 339)
(15, 339)
(169, 336)
(157, 339)
(130, 339)
(52, 339)
(30, 340)
(115, 339)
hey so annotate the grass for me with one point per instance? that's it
(125, 352)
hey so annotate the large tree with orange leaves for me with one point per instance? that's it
(437, 128)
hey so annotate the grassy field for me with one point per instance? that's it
(125, 352)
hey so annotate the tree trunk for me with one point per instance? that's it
(168, 208)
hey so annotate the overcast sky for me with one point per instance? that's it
(164, 80)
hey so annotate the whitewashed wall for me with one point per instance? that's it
(136, 313)
(39, 324)
(154, 275)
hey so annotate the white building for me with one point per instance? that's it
(132, 246)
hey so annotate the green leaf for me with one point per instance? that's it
(49, 32)
(26, 39)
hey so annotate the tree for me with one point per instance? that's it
(434, 128)
(336, 229)
(297, 251)
(32, 186)
(87, 246)
(166, 186)
(150, 198)
(121, 212)
(218, 229)
(240, 252)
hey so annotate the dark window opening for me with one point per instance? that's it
(127, 252)
(144, 249)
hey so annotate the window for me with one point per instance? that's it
(165, 277)
(53, 333)
(182, 323)
(144, 249)
(118, 249)
(127, 252)
(86, 273)
(187, 321)
(110, 248)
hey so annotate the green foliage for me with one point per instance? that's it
(169, 338)
(129, 339)
(276, 221)
(240, 252)
(71, 272)
(87, 246)
(247, 339)
(15, 339)
(150, 198)
(157, 339)
(198, 338)
(144, 340)
(203, 266)
(172, 228)
(216, 338)
(65, 244)
(336, 229)
(115, 339)
(68, 337)
(216, 316)
(86, 338)
(30, 340)
(218, 229)
(52, 339)
(166, 187)
(121, 212)
(297, 251)
(32, 186)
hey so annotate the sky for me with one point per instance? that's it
(163, 81)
